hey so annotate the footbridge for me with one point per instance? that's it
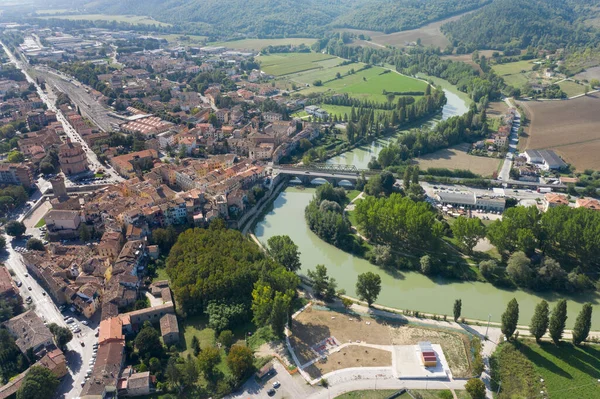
(316, 173)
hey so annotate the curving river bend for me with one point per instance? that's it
(403, 290)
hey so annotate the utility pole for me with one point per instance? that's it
(488, 326)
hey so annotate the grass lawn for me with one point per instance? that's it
(568, 372)
(259, 44)
(385, 393)
(511, 68)
(369, 84)
(131, 19)
(161, 274)
(571, 88)
(40, 223)
(326, 73)
(517, 80)
(288, 63)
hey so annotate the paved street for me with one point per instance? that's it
(504, 174)
(71, 133)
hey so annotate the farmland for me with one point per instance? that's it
(457, 158)
(567, 127)
(259, 44)
(130, 19)
(516, 74)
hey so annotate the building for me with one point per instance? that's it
(62, 220)
(125, 165)
(110, 330)
(552, 200)
(169, 329)
(72, 158)
(272, 116)
(8, 288)
(18, 174)
(588, 203)
(316, 111)
(546, 159)
(56, 362)
(30, 332)
(468, 200)
(104, 379)
(137, 384)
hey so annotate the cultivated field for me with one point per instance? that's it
(313, 326)
(289, 63)
(457, 158)
(511, 68)
(568, 127)
(131, 19)
(429, 34)
(259, 44)
(589, 74)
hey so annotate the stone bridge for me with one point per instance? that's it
(332, 173)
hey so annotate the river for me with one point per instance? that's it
(402, 290)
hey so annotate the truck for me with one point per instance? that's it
(544, 189)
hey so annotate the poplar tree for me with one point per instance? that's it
(539, 321)
(583, 324)
(510, 318)
(558, 321)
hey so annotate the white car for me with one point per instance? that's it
(84, 322)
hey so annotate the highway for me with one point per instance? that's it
(93, 161)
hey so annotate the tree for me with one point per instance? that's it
(468, 231)
(240, 361)
(279, 313)
(35, 244)
(425, 262)
(284, 251)
(208, 360)
(154, 364)
(189, 371)
(583, 324)
(323, 286)
(368, 287)
(594, 83)
(62, 335)
(539, 321)
(84, 233)
(488, 267)
(195, 345)
(39, 383)
(457, 309)
(2, 243)
(510, 319)
(148, 342)
(226, 339)
(558, 319)
(15, 157)
(518, 268)
(173, 373)
(14, 228)
(476, 388)
(262, 303)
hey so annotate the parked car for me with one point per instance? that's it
(271, 392)
(276, 384)
(84, 322)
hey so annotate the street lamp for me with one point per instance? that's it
(488, 326)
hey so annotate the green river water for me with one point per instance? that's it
(402, 290)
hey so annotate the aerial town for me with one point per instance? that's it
(339, 213)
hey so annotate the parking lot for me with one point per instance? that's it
(290, 386)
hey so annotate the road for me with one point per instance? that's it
(504, 174)
(71, 133)
(78, 357)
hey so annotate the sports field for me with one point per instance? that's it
(568, 127)
(130, 19)
(259, 44)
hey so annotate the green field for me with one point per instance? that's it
(571, 88)
(517, 80)
(289, 63)
(511, 68)
(259, 44)
(52, 12)
(131, 19)
(568, 372)
(369, 84)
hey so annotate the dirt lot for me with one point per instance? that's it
(568, 127)
(457, 158)
(468, 58)
(351, 356)
(313, 326)
(497, 109)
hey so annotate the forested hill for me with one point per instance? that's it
(506, 24)
(277, 18)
